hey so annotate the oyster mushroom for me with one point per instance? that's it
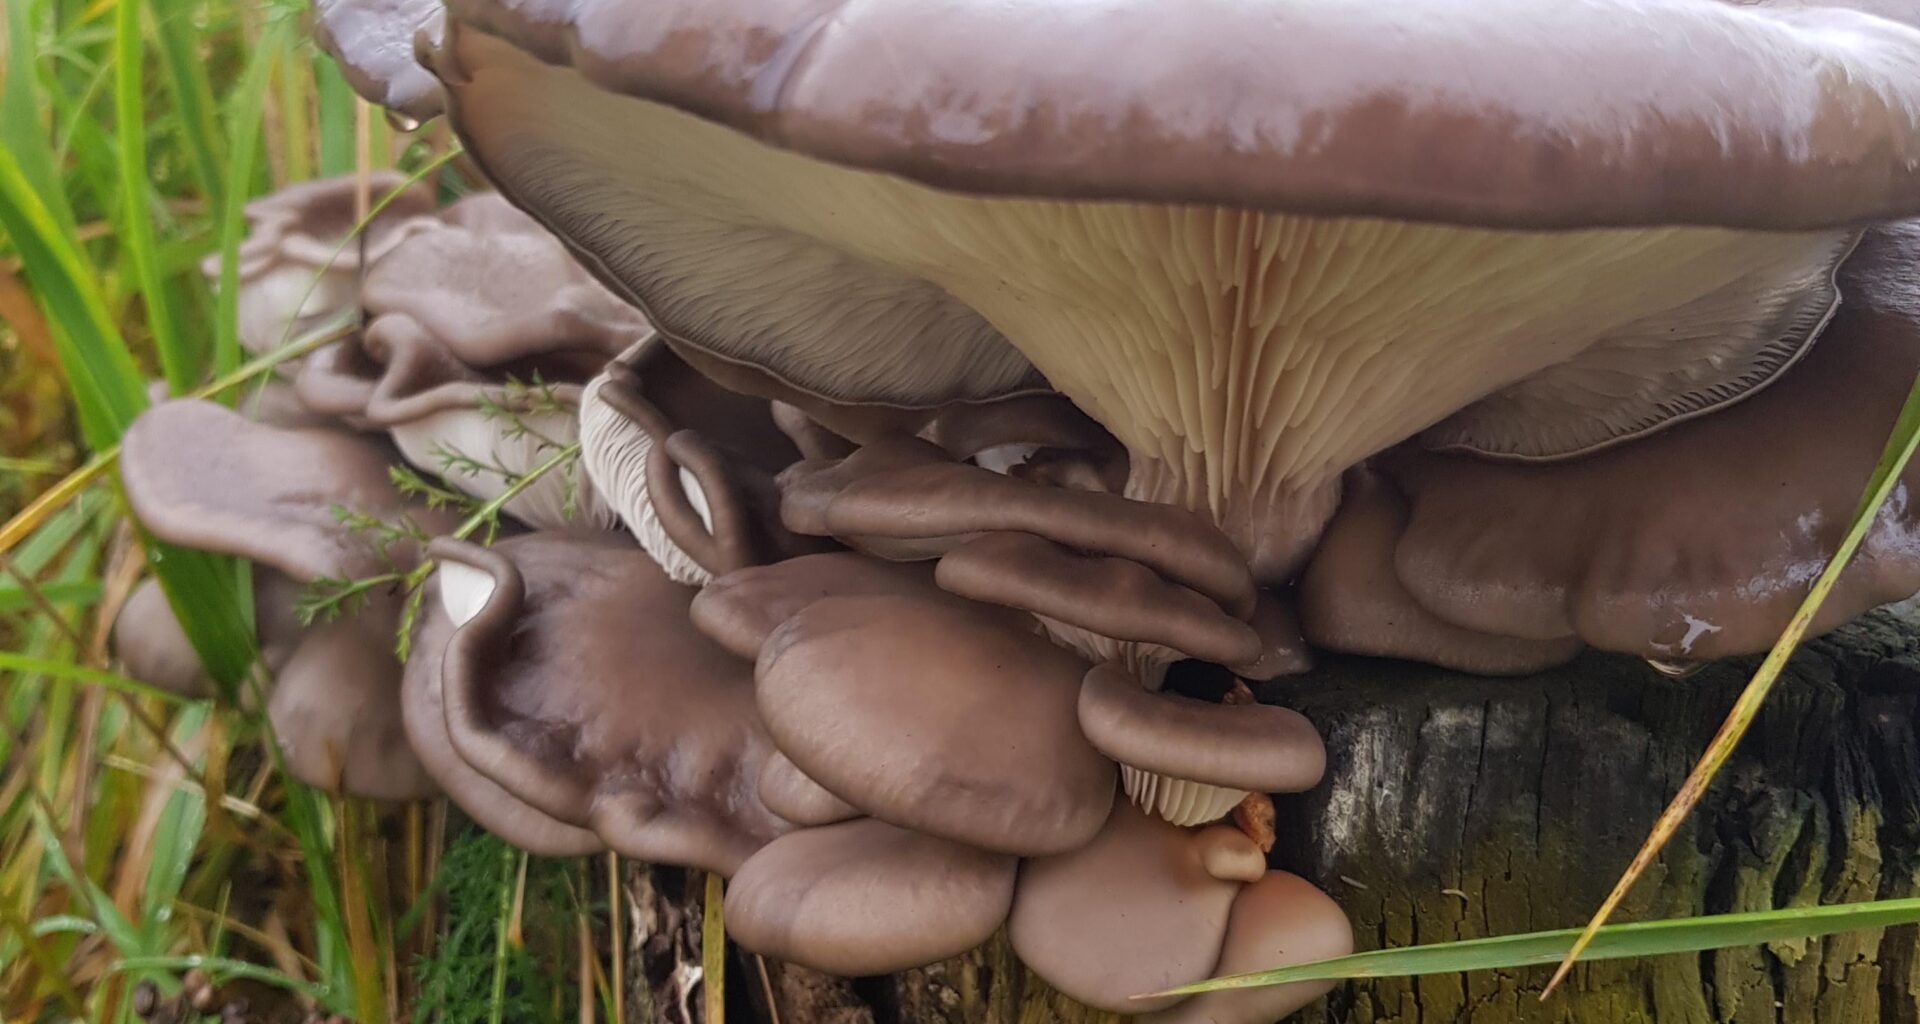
(942, 717)
(574, 682)
(482, 331)
(1191, 761)
(201, 476)
(1257, 245)
(1149, 905)
(864, 897)
(1699, 542)
(299, 267)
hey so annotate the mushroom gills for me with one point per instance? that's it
(1180, 801)
(1244, 357)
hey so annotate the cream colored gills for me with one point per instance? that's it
(1244, 358)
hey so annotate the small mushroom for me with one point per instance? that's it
(335, 708)
(1352, 600)
(497, 289)
(482, 330)
(1113, 597)
(1191, 761)
(202, 476)
(864, 897)
(949, 719)
(1133, 911)
(575, 682)
(300, 264)
(153, 647)
(1277, 921)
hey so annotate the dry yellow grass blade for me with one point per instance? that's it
(1886, 474)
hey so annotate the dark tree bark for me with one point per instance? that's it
(1458, 807)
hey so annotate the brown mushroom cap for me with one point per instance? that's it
(1277, 921)
(1646, 132)
(373, 40)
(1255, 747)
(1133, 911)
(1351, 599)
(424, 715)
(1699, 542)
(1258, 242)
(864, 897)
(201, 476)
(575, 682)
(948, 719)
(741, 609)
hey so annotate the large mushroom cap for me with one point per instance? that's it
(864, 897)
(939, 717)
(1258, 241)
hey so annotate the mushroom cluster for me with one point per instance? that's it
(971, 399)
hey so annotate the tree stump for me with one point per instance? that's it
(1459, 807)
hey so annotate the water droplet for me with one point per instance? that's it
(402, 123)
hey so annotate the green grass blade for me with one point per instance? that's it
(192, 97)
(335, 104)
(23, 131)
(57, 669)
(178, 359)
(174, 839)
(82, 592)
(1613, 942)
(243, 151)
(106, 384)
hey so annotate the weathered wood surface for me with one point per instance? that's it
(1458, 807)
